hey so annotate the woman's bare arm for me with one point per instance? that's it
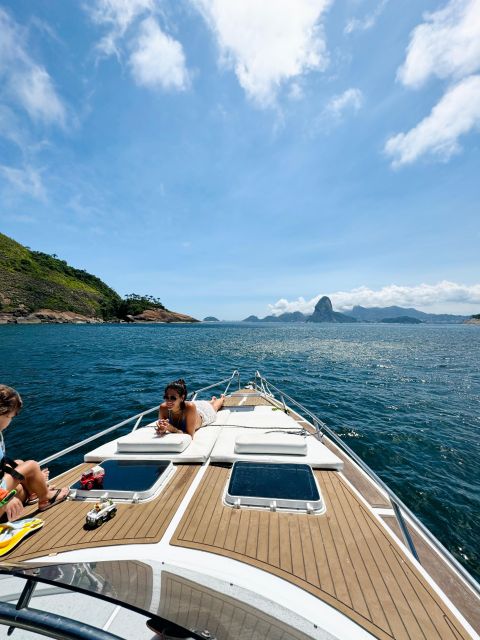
(191, 417)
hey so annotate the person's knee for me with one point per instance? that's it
(9, 482)
(29, 468)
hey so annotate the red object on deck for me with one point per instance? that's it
(92, 478)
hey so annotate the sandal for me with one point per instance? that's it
(33, 498)
(55, 499)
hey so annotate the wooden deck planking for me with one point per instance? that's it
(421, 625)
(460, 595)
(343, 557)
(134, 523)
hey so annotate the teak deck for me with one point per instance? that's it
(344, 557)
(134, 523)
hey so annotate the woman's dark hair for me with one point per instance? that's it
(180, 387)
(10, 400)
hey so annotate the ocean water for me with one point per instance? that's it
(405, 398)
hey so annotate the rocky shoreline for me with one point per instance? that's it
(49, 316)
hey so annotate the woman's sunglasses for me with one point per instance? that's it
(171, 398)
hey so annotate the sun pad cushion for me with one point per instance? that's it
(318, 455)
(146, 439)
(274, 442)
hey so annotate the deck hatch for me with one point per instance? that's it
(128, 479)
(274, 486)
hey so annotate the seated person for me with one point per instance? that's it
(177, 415)
(26, 477)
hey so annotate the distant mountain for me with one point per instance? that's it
(402, 320)
(211, 319)
(293, 316)
(324, 312)
(377, 314)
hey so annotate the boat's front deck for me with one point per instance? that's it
(346, 557)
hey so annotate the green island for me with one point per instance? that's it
(38, 287)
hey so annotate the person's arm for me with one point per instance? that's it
(190, 419)
(162, 422)
(163, 425)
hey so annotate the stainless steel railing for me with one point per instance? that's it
(261, 384)
(228, 381)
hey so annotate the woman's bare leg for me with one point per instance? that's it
(35, 481)
(217, 403)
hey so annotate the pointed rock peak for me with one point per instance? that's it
(324, 305)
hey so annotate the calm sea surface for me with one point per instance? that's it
(406, 398)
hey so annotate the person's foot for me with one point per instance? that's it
(53, 498)
(32, 498)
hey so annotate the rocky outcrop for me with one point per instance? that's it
(472, 321)
(47, 316)
(324, 312)
(160, 315)
(70, 317)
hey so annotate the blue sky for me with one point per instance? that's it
(235, 157)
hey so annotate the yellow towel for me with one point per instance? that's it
(12, 533)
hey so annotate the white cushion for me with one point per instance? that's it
(318, 455)
(146, 439)
(282, 443)
(262, 417)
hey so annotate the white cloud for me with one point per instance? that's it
(27, 83)
(36, 93)
(446, 45)
(267, 42)
(456, 113)
(118, 15)
(158, 60)
(350, 99)
(366, 23)
(27, 180)
(420, 296)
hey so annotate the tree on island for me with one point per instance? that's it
(134, 304)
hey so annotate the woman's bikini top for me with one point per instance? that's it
(178, 424)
